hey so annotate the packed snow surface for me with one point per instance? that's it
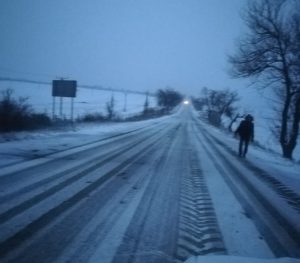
(19, 148)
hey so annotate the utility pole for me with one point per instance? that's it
(125, 101)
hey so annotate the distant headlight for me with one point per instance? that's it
(186, 102)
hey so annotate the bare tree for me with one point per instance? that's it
(168, 98)
(271, 52)
(110, 108)
(218, 103)
(17, 114)
(233, 119)
(146, 105)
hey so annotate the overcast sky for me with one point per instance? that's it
(131, 44)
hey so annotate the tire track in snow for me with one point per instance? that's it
(79, 172)
(88, 224)
(282, 237)
(143, 242)
(199, 232)
(41, 222)
(81, 145)
(292, 198)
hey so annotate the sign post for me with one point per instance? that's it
(53, 108)
(72, 109)
(63, 88)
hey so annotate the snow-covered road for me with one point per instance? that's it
(161, 192)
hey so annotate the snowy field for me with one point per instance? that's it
(86, 101)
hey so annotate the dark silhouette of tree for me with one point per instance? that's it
(168, 98)
(198, 103)
(271, 52)
(146, 105)
(218, 103)
(110, 108)
(17, 114)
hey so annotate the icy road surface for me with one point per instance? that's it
(162, 192)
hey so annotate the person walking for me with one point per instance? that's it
(246, 134)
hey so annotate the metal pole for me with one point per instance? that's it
(53, 108)
(125, 101)
(61, 107)
(72, 108)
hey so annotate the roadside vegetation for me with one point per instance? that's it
(18, 115)
(217, 104)
(168, 99)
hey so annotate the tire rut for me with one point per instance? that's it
(279, 247)
(41, 222)
(199, 233)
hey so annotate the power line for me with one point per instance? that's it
(83, 86)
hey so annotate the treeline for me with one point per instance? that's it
(16, 114)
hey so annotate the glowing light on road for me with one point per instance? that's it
(186, 102)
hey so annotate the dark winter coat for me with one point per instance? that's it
(246, 130)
